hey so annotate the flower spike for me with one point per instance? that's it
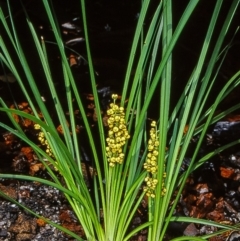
(151, 165)
(117, 133)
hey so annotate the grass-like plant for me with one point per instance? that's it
(133, 158)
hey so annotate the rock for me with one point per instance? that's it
(191, 230)
(227, 172)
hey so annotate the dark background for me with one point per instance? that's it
(111, 26)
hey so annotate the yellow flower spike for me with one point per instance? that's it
(151, 162)
(43, 141)
(117, 133)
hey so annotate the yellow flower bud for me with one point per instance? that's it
(37, 127)
(115, 129)
(110, 112)
(121, 155)
(156, 143)
(114, 96)
(153, 124)
(115, 107)
(155, 181)
(152, 195)
(117, 118)
(150, 147)
(153, 170)
(153, 158)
